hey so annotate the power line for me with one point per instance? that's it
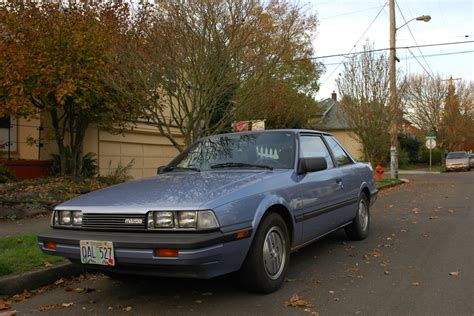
(385, 49)
(351, 12)
(428, 56)
(409, 29)
(422, 66)
(357, 42)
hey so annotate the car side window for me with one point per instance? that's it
(340, 155)
(312, 147)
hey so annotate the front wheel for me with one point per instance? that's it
(359, 228)
(264, 269)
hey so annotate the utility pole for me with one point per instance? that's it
(393, 97)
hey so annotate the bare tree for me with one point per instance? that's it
(185, 62)
(424, 99)
(364, 88)
(441, 108)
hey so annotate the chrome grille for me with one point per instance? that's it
(114, 221)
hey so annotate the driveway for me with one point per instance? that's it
(418, 260)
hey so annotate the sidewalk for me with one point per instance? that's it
(24, 226)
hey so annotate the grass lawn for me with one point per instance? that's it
(21, 253)
(387, 181)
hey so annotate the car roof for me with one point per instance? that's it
(288, 130)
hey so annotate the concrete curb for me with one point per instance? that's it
(391, 185)
(14, 284)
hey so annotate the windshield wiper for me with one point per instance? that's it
(239, 165)
(181, 168)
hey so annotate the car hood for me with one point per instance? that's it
(173, 190)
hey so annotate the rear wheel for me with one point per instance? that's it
(359, 228)
(265, 267)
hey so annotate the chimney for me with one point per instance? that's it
(334, 95)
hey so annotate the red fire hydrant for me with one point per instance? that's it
(378, 172)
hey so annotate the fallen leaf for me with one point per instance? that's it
(390, 206)
(67, 305)
(331, 292)
(68, 289)
(198, 301)
(19, 241)
(426, 235)
(454, 273)
(20, 297)
(9, 313)
(415, 284)
(127, 308)
(415, 210)
(4, 304)
(85, 290)
(296, 301)
(59, 282)
(336, 299)
(433, 217)
(451, 211)
(47, 264)
(47, 307)
(376, 253)
(386, 272)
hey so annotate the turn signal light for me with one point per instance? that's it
(166, 253)
(243, 234)
(50, 245)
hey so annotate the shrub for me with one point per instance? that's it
(117, 175)
(403, 159)
(89, 164)
(411, 146)
(6, 174)
(436, 156)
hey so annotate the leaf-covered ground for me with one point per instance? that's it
(45, 193)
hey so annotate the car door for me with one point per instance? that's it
(350, 179)
(319, 191)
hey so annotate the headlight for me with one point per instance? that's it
(67, 218)
(207, 220)
(187, 219)
(191, 220)
(163, 219)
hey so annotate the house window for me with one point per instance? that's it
(7, 134)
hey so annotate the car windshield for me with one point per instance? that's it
(263, 150)
(459, 155)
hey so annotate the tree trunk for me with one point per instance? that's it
(59, 138)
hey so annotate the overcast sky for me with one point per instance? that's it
(342, 23)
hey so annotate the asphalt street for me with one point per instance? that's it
(418, 260)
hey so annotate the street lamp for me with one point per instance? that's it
(424, 18)
(395, 111)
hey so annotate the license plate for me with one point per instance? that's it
(97, 252)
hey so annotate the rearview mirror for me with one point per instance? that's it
(160, 169)
(306, 165)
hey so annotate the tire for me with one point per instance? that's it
(265, 266)
(359, 228)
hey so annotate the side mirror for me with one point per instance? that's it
(306, 165)
(160, 169)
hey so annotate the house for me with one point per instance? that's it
(142, 143)
(331, 119)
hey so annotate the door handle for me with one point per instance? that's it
(339, 182)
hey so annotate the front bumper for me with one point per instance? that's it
(457, 167)
(201, 255)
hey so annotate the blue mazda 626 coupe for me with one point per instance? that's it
(232, 202)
